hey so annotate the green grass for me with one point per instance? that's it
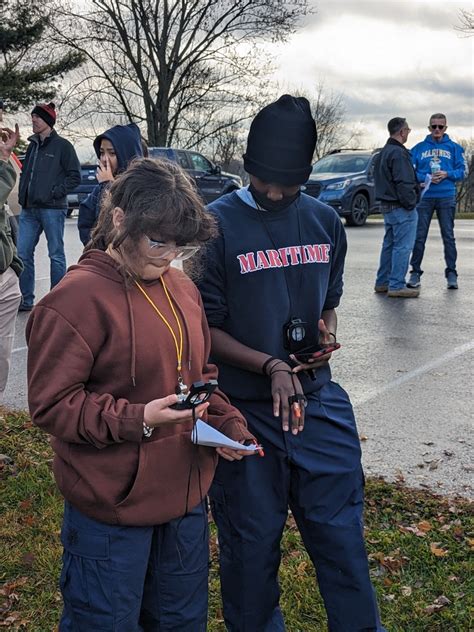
(418, 543)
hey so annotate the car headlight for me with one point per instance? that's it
(337, 186)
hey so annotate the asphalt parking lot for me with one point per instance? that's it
(407, 363)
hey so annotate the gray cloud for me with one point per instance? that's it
(441, 88)
(396, 104)
(440, 17)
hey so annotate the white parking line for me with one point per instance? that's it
(18, 349)
(424, 368)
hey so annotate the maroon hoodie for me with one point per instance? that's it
(97, 353)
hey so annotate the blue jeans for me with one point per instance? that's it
(33, 221)
(318, 474)
(400, 231)
(130, 579)
(445, 209)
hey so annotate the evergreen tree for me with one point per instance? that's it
(30, 64)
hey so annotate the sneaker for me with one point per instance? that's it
(452, 280)
(414, 280)
(404, 292)
(380, 289)
(25, 308)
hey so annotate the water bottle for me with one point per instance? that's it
(435, 165)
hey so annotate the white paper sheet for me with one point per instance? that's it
(426, 186)
(204, 434)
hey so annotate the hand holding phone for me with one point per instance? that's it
(199, 393)
(308, 357)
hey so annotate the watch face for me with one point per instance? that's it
(297, 333)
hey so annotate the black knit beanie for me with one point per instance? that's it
(281, 142)
(46, 111)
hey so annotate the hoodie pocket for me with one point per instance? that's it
(172, 477)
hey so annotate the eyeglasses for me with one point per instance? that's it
(406, 129)
(437, 126)
(160, 249)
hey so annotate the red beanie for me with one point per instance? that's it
(46, 111)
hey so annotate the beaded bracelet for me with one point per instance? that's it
(272, 371)
(266, 363)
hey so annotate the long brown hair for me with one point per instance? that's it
(158, 200)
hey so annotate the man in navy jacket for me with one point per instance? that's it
(397, 190)
(444, 160)
(271, 283)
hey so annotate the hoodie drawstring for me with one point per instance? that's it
(132, 336)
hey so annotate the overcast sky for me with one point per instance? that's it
(387, 58)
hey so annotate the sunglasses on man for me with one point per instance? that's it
(437, 126)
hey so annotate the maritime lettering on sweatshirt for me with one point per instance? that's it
(284, 257)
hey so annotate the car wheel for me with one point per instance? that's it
(359, 210)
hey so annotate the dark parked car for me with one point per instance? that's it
(88, 182)
(344, 179)
(210, 180)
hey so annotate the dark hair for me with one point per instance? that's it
(158, 200)
(437, 115)
(395, 125)
(144, 145)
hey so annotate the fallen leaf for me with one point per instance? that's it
(406, 591)
(436, 550)
(438, 604)
(363, 437)
(424, 526)
(399, 476)
(28, 559)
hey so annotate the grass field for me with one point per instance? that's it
(419, 546)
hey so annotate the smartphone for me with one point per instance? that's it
(305, 357)
(198, 394)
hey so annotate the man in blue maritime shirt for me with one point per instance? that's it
(444, 159)
(271, 283)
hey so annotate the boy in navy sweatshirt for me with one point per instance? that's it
(444, 159)
(271, 283)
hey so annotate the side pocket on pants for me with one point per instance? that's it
(84, 584)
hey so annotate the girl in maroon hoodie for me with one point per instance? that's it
(109, 348)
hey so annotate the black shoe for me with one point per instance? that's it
(452, 281)
(25, 308)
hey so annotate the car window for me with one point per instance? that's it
(157, 152)
(199, 162)
(182, 159)
(88, 174)
(340, 163)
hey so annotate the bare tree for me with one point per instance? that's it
(179, 66)
(329, 113)
(466, 19)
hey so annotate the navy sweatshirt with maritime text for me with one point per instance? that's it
(264, 268)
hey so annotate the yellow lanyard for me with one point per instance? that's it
(177, 344)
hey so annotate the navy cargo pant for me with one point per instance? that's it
(316, 473)
(134, 579)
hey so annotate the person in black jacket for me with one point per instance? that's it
(51, 170)
(396, 188)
